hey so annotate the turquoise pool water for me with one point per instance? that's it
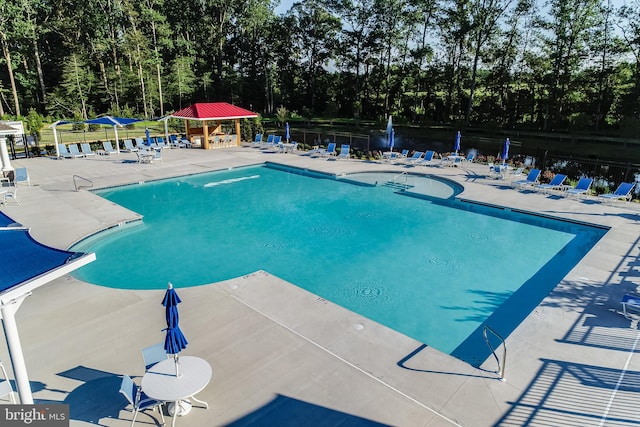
(434, 270)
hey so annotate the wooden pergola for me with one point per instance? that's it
(206, 112)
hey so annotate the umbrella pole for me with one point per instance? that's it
(176, 361)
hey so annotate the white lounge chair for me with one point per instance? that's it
(108, 148)
(73, 149)
(330, 150)
(417, 157)
(9, 196)
(557, 183)
(21, 175)
(427, 159)
(531, 180)
(137, 399)
(64, 152)
(344, 152)
(128, 146)
(582, 187)
(623, 192)
(6, 390)
(86, 150)
(140, 143)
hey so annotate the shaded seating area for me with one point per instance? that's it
(209, 118)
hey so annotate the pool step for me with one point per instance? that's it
(397, 185)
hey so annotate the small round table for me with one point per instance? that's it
(161, 383)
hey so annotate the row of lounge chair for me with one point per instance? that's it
(331, 151)
(557, 183)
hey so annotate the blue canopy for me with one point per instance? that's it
(24, 259)
(112, 121)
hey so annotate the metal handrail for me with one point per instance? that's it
(501, 366)
(78, 187)
(406, 178)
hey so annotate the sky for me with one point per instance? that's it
(283, 7)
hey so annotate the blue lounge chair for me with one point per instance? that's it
(532, 179)
(582, 187)
(427, 159)
(497, 172)
(330, 151)
(160, 142)
(269, 140)
(128, 146)
(623, 192)
(174, 142)
(630, 302)
(257, 140)
(417, 157)
(344, 151)
(557, 183)
(108, 148)
(86, 150)
(403, 154)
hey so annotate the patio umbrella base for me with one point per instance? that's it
(179, 408)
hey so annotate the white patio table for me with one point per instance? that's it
(161, 383)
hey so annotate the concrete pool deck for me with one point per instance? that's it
(282, 356)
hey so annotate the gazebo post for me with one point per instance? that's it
(238, 132)
(187, 130)
(205, 130)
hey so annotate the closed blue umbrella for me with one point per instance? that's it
(389, 132)
(391, 139)
(505, 151)
(456, 147)
(175, 341)
(148, 136)
(287, 134)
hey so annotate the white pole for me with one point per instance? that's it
(15, 352)
(115, 130)
(166, 130)
(4, 155)
(55, 139)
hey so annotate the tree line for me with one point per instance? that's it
(523, 64)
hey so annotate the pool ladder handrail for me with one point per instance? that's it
(501, 366)
(78, 187)
(406, 179)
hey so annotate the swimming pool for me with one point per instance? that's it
(433, 269)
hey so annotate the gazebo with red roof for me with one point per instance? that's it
(206, 112)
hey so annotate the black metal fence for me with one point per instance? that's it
(24, 146)
(607, 175)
